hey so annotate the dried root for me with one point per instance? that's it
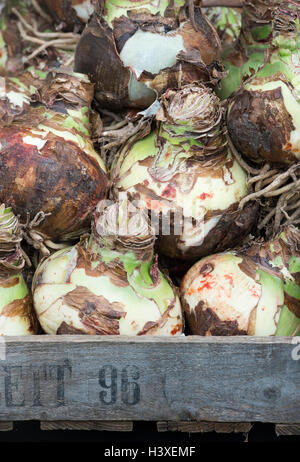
(277, 190)
(38, 240)
(116, 131)
(29, 33)
(276, 185)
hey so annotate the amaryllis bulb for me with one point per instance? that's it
(245, 56)
(135, 50)
(184, 175)
(47, 156)
(264, 116)
(251, 292)
(16, 309)
(110, 285)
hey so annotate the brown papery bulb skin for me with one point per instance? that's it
(69, 14)
(260, 127)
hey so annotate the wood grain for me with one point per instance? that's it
(97, 378)
(287, 430)
(6, 426)
(121, 426)
(204, 427)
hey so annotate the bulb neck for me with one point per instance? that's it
(11, 256)
(287, 29)
(122, 247)
(123, 229)
(189, 139)
(115, 9)
(190, 118)
(257, 22)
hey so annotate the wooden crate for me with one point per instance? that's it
(184, 384)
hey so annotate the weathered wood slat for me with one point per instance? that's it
(287, 430)
(6, 426)
(204, 427)
(217, 379)
(113, 426)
